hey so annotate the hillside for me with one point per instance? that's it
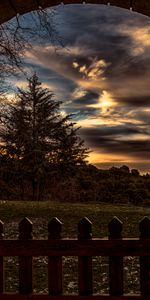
(78, 184)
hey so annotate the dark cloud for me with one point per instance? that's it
(137, 101)
(138, 149)
(101, 20)
(116, 139)
(79, 106)
(102, 131)
(80, 112)
(144, 116)
(101, 30)
(90, 97)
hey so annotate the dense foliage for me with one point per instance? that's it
(36, 140)
(83, 183)
(116, 185)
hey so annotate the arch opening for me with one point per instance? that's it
(93, 68)
(10, 8)
(81, 75)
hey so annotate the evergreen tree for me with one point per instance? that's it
(35, 134)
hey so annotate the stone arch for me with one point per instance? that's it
(10, 8)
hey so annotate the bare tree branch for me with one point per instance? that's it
(17, 35)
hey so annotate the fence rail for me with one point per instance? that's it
(115, 247)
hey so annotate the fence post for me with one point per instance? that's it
(54, 263)
(25, 263)
(1, 261)
(115, 263)
(144, 228)
(85, 275)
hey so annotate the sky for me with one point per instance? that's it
(102, 75)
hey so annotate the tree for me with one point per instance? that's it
(17, 36)
(35, 135)
(125, 170)
(135, 172)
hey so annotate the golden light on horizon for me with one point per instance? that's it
(96, 121)
(97, 157)
(108, 160)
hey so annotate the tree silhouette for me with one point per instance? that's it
(35, 134)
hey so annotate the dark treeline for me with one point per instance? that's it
(80, 183)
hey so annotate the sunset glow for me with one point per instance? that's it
(102, 77)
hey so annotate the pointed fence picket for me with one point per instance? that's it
(85, 282)
(115, 247)
(115, 263)
(144, 228)
(54, 263)
(25, 262)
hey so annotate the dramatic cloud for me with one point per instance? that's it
(132, 141)
(102, 75)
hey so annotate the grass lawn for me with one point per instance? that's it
(70, 214)
(11, 212)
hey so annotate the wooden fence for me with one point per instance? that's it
(84, 247)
